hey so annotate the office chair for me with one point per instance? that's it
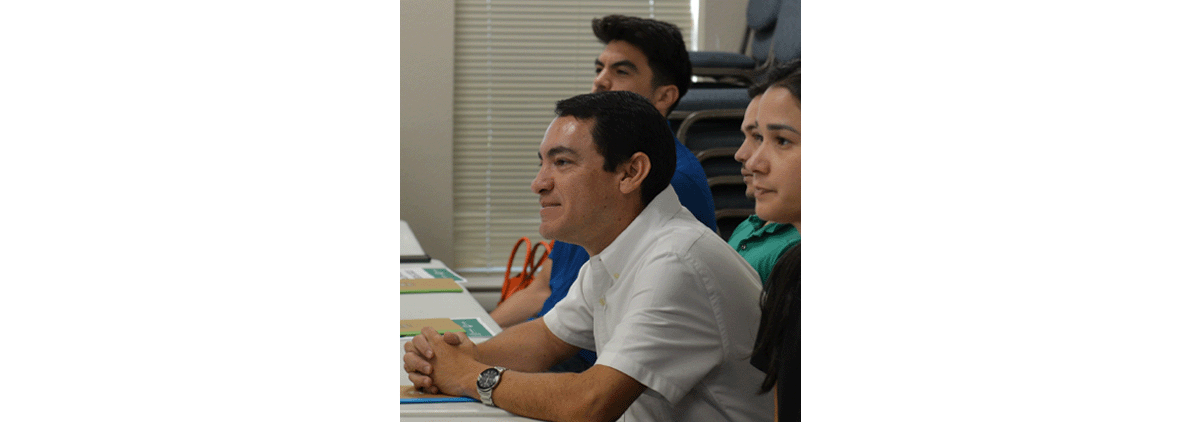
(739, 68)
(714, 128)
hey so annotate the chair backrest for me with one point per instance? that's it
(786, 39)
(712, 128)
(729, 192)
(761, 17)
(761, 14)
(738, 69)
(719, 162)
(729, 219)
(760, 47)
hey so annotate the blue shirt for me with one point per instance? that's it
(690, 184)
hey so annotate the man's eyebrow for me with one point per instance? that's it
(557, 151)
(779, 126)
(622, 63)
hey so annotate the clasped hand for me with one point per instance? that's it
(437, 363)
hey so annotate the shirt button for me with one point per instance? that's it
(743, 247)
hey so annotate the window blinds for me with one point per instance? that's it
(513, 60)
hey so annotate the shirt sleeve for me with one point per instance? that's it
(571, 320)
(669, 338)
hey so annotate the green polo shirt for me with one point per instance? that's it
(761, 244)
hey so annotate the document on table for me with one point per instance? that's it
(429, 285)
(472, 327)
(414, 273)
(412, 327)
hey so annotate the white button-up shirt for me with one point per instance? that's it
(671, 305)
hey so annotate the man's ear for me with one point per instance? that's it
(634, 172)
(664, 96)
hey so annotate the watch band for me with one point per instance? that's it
(484, 383)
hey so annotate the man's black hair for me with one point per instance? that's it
(661, 42)
(624, 123)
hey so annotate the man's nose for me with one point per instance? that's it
(540, 183)
(601, 83)
(744, 151)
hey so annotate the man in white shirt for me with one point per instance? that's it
(669, 308)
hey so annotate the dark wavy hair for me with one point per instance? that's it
(626, 123)
(773, 75)
(661, 42)
(780, 314)
(792, 82)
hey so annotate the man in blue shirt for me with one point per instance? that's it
(647, 57)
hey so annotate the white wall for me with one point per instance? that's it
(426, 123)
(427, 109)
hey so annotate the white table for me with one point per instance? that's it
(447, 305)
(443, 305)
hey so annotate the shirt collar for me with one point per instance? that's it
(761, 228)
(620, 252)
(774, 227)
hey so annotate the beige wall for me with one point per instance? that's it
(722, 24)
(427, 109)
(426, 123)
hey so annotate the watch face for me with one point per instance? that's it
(488, 379)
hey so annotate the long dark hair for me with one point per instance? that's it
(780, 314)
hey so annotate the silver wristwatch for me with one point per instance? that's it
(486, 382)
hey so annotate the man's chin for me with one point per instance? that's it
(547, 232)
